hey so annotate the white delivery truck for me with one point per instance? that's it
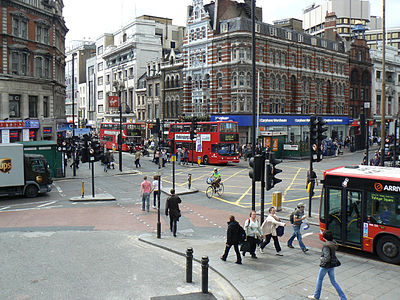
(22, 174)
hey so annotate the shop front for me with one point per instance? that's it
(293, 131)
(13, 131)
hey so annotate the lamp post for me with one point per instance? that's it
(73, 113)
(119, 85)
(253, 131)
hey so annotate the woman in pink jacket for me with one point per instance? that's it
(269, 230)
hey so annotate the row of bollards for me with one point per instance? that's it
(204, 270)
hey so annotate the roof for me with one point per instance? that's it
(366, 172)
(38, 143)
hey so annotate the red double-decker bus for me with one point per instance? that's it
(215, 142)
(361, 206)
(132, 134)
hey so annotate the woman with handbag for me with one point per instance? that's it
(269, 227)
(253, 234)
(328, 264)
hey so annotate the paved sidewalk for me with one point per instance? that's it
(292, 276)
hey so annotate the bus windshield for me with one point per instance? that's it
(228, 149)
(384, 208)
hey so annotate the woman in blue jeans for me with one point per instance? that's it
(328, 264)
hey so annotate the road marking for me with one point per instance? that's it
(307, 234)
(241, 197)
(234, 174)
(45, 204)
(4, 208)
(290, 185)
(60, 191)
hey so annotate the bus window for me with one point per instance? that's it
(353, 213)
(214, 128)
(334, 222)
(179, 128)
(206, 127)
(383, 209)
(214, 148)
(186, 128)
(173, 128)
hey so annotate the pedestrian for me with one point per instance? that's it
(111, 160)
(365, 160)
(179, 155)
(157, 156)
(253, 233)
(233, 238)
(186, 156)
(172, 208)
(145, 190)
(328, 264)
(164, 157)
(298, 217)
(269, 230)
(137, 158)
(105, 161)
(155, 190)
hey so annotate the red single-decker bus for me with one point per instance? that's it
(361, 206)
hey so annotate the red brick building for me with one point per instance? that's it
(297, 74)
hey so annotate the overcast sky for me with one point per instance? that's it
(88, 19)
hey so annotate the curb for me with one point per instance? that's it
(195, 259)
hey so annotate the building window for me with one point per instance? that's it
(107, 78)
(45, 106)
(19, 63)
(14, 105)
(100, 108)
(20, 27)
(378, 104)
(42, 67)
(100, 95)
(150, 90)
(219, 54)
(219, 105)
(100, 80)
(219, 80)
(33, 102)
(42, 33)
(100, 66)
(100, 50)
(378, 74)
(130, 72)
(241, 79)
(157, 89)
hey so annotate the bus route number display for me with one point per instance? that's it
(229, 137)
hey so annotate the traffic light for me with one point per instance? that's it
(158, 126)
(85, 152)
(193, 128)
(314, 138)
(272, 171)
(257, 164)
(321, 136)
(172, 146)
(59, 141)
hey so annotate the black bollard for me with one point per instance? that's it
(189, 264)
(204, 274)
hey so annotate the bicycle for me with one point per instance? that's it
(212, 190)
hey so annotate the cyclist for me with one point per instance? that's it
(215, 178)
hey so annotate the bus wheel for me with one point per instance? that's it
(31, 191)
(206, 160)
(388, 249)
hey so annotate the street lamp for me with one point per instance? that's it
(73, 113)
(119, 86)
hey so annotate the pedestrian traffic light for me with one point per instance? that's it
(321, 136)
(314, 138)
(272, 171)
(257, 164)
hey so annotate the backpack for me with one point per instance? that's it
(242, 234)
(291, 217)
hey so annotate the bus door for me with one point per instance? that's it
(334, 220)
(353, 228)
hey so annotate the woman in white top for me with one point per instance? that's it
(269, 230)
(155, 190)
(253, 233)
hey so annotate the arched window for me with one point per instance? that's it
(277, 82)
(124, 37)
(234, 79)
(177, 103)
(167, 82)
(283, 58)
(283, 83)
(172, 81)
(219, 80)
(261, 84)
(177, 81)
(207, 78)
(272, 82)
(203, 31)
(277, 58)
(241, 79)
(248, 80)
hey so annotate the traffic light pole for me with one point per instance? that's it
(253, 128)
(93, 193)
(310, 193)
(158, 207)
(262, 192)
(120, 131)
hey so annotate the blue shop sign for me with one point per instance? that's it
(64, 127)
(271, 120)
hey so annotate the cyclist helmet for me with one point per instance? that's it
(215, 169)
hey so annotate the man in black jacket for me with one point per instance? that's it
(234, 237)
(172, 207)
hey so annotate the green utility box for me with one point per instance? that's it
(49, 150)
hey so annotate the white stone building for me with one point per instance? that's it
(392, 86)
